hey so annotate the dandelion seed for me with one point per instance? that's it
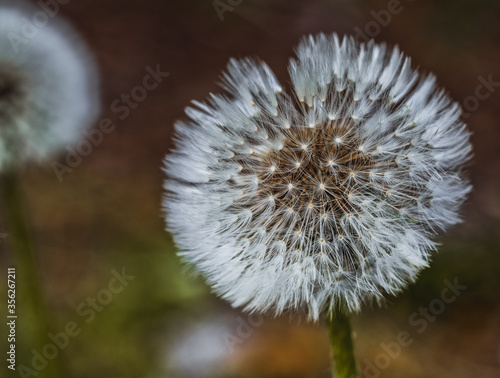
(375, 246)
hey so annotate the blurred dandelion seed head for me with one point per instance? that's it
(327, 197)
(48, 86)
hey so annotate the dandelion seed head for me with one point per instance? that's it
(48, 87)
(358, 196)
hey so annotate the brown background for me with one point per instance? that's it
(106, 214)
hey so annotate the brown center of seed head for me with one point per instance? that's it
(315, 172)
(13, 91)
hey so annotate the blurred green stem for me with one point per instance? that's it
(29, 293)
(342, 348)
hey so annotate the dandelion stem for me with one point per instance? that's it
(342, 348)
(30, 296)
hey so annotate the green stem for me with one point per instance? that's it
(30, 294)
(342, 349)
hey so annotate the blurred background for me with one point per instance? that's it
(105, 215)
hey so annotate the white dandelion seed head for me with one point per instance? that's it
(356, 198)
(48, 86)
